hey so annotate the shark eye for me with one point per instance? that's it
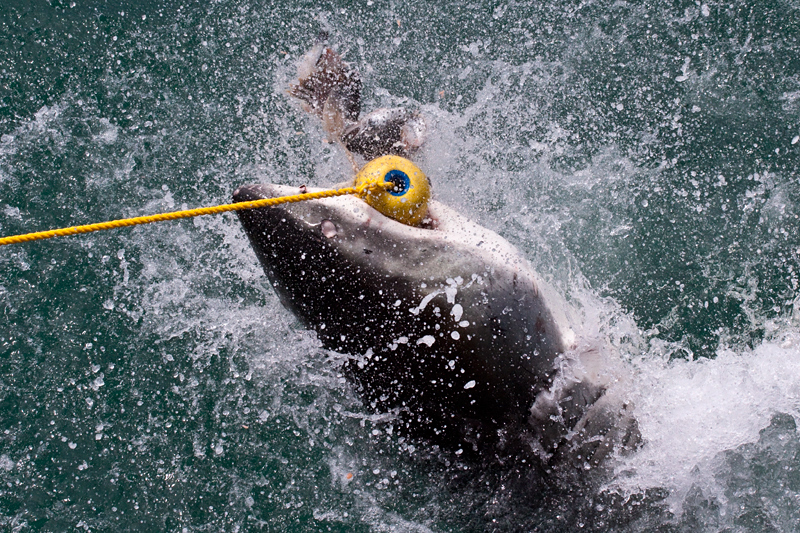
(328, 229)
(400, 181)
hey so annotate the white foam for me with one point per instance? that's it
(691, 411)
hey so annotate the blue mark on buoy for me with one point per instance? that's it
(401, 182)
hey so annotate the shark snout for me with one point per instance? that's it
(248, 193)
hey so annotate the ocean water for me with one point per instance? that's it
(644, 156)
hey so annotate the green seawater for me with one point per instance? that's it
(644, 156)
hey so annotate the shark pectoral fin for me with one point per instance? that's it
(607, 426)
(556, 413)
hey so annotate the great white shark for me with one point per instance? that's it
(448, 326)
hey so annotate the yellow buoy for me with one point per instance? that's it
(407, 201)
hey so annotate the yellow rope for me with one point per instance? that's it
(265, 202)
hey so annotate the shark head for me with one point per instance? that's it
(446, 322)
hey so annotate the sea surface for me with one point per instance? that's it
(644, 156)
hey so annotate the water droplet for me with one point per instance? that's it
(427, 339)
(328, 229)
